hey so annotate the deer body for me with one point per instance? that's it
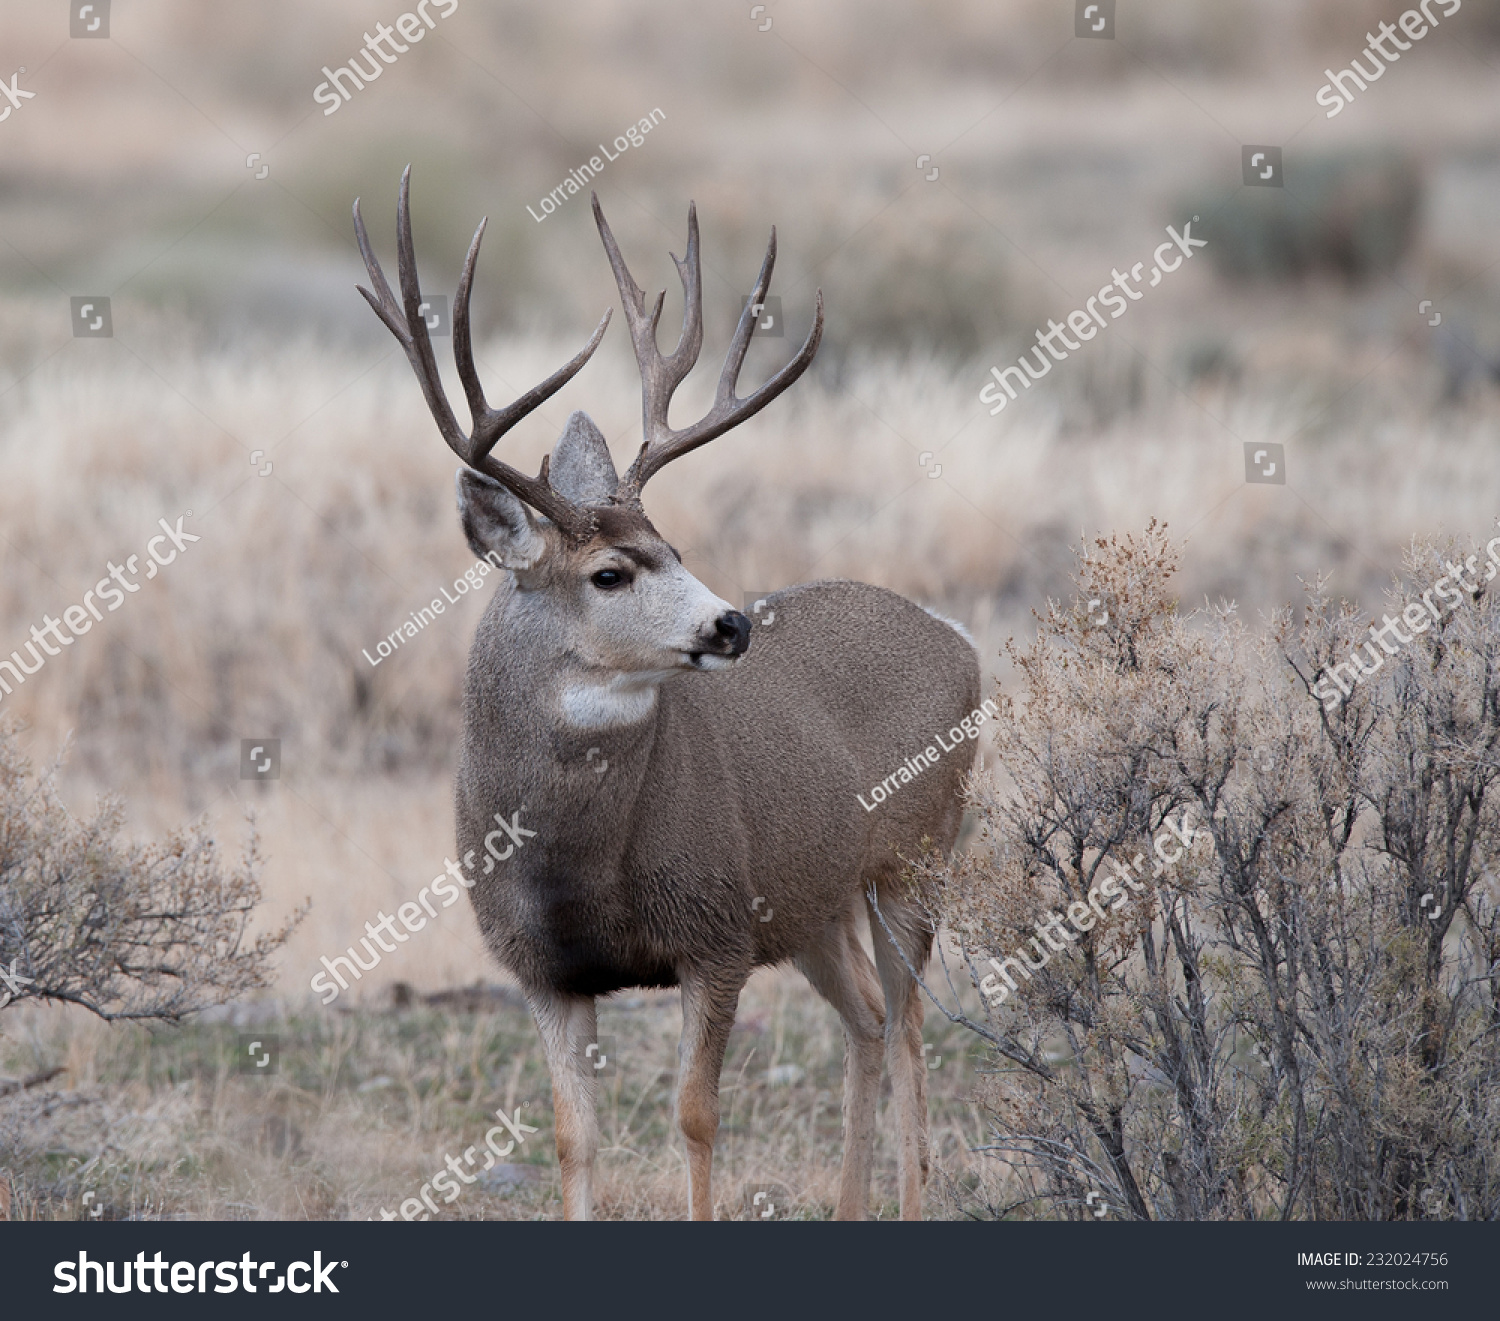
(728, 787)
(654, 803)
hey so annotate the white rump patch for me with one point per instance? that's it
(955, 626)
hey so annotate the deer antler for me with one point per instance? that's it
(660, 376)
(405, 322)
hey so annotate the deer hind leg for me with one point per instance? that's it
(842, 974)
(567, 1026)
(903, 1036)
(709, 1000)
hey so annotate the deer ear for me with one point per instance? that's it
(497, 525)
(581, 469)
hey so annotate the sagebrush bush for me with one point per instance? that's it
(1295, 1017)
(1350, 215)
(129, 931)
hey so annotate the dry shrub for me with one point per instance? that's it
(1295, 1017)
(129, 931)
(1351, 215)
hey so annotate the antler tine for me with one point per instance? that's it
(491, 423)
(662, 444)
(391, 313)
(406, 323)
(660, 374)
(384, 304)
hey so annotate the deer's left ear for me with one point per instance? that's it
(496, 523)
(580, 469)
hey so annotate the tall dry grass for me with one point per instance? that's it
(261, 627)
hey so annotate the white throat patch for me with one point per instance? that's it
(623, 699)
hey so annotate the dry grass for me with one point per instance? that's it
(366, 1106)
(259, 629)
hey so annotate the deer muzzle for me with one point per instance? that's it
(729, 641)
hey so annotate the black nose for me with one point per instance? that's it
(734, 631)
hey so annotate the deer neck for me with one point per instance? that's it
(568, 743)
(588, 701)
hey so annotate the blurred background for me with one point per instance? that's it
(951, 174)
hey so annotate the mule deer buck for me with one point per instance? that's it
(726, 833)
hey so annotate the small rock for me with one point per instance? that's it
(507, 1178)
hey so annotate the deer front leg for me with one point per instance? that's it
(708, 1006)
(567, 1026)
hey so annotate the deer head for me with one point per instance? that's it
(590, 570)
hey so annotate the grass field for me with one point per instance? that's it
(366, 1105)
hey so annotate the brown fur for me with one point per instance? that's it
(741, 784)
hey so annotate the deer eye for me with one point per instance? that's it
(608, 579)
